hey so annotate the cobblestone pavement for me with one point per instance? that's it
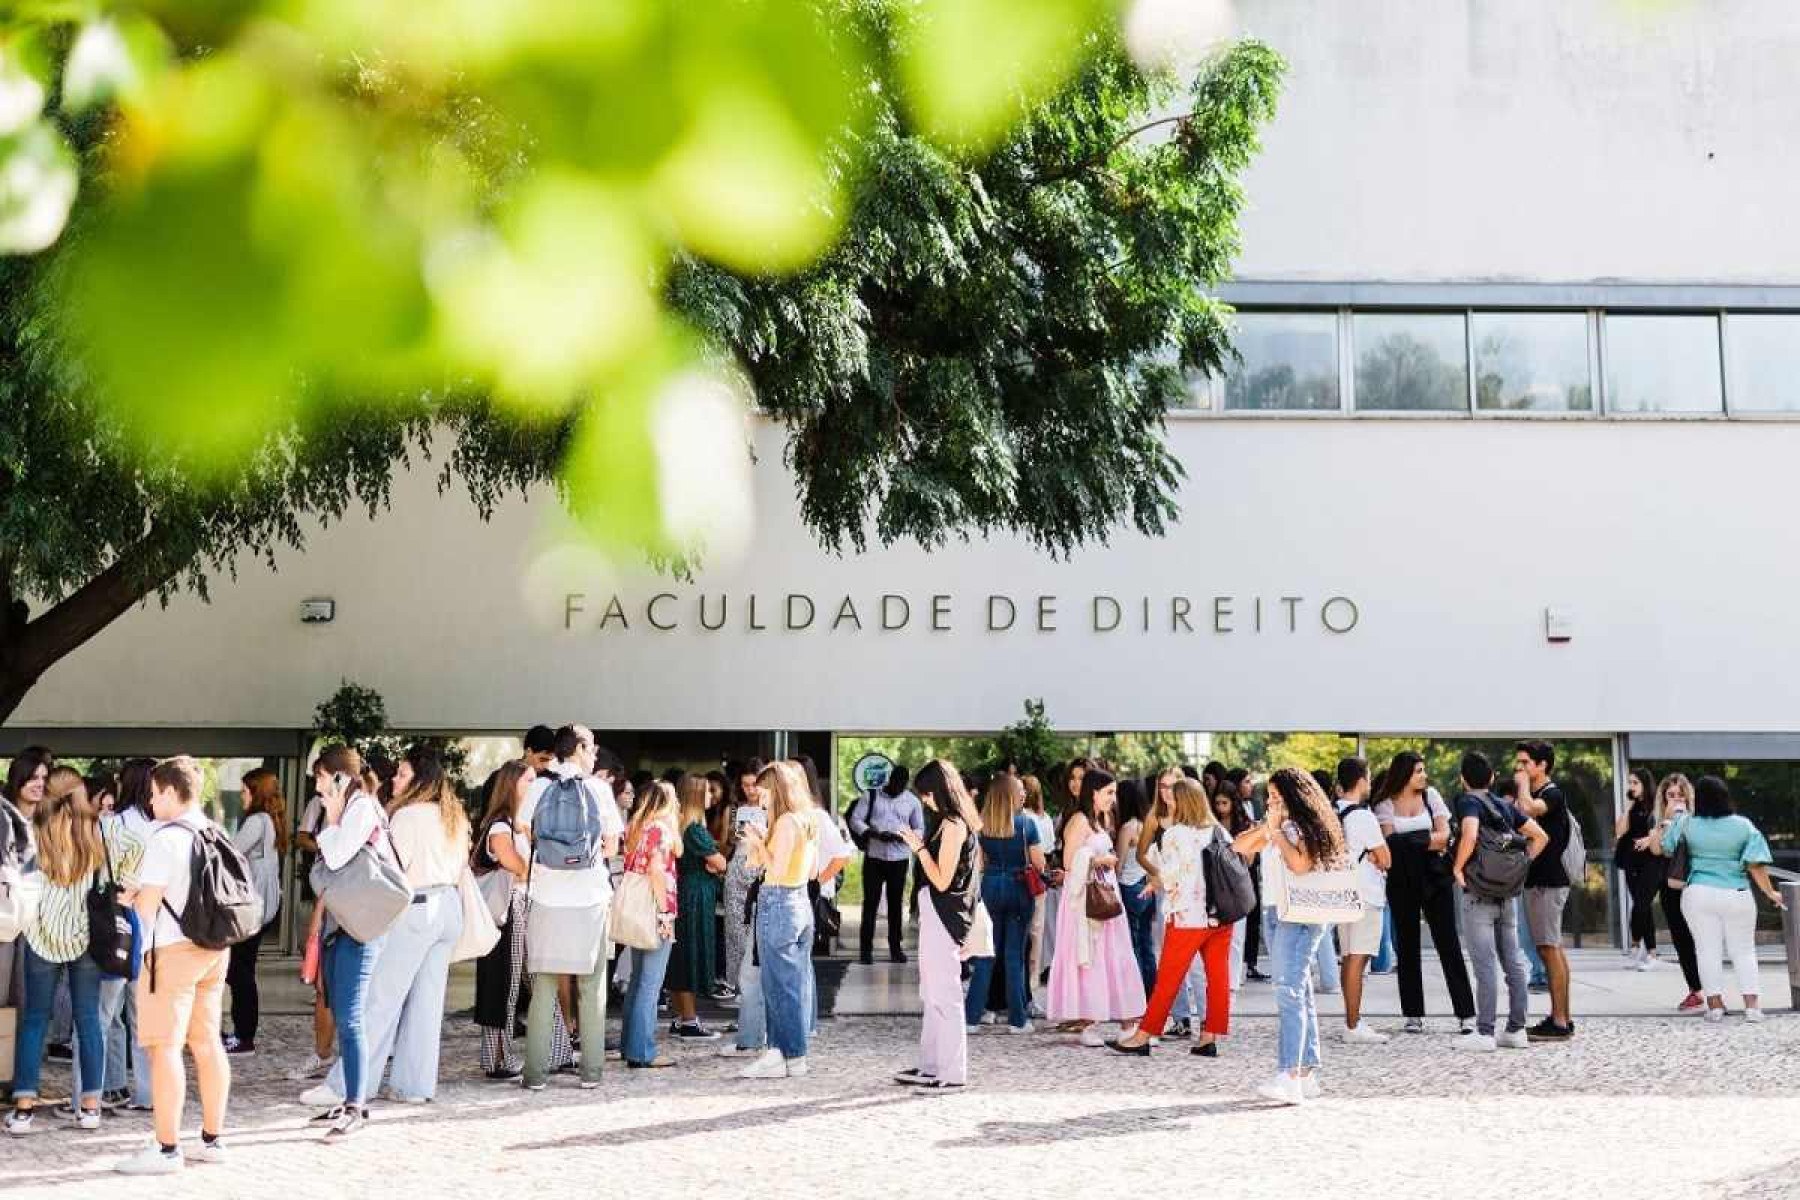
(1633, 1107)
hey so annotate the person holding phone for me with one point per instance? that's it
(880, 818)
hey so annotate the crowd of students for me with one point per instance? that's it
(1142, 904)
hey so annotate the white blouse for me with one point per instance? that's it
(1181, 867)
(361, 820)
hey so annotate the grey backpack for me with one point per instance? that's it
(565, 826)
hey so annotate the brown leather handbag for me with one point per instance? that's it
(1103, 903)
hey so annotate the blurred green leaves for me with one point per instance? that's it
(38, 181)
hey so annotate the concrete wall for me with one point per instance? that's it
(1667, 541)
(1529, 139)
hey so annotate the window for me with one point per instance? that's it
(1765, 362)
(1412, 362)
(1288, 362)
(1663, 364)
(1532, 362)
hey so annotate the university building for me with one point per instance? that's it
(1511, 451)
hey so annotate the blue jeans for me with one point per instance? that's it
(752, 1022)
(348, 966)
(1384, 958)
(1140, 918)
(784, 931)
(1010, 906)
(403, 1009)
(638, 1040)
(112, 1005)
(41, 978)
(1538, 978)
(1294, 947)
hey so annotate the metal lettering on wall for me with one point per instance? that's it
(795, 612)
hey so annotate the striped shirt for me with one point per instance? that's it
(60, 933)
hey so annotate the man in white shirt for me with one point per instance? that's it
(569, 903)
(181, 990)
(1361, 941)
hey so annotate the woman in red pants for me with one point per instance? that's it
(1177, 870)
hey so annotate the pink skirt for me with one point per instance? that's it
(1109, 988)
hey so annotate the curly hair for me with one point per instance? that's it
(1321, 836)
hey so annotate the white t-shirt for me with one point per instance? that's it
(168, 864)
(1363, 832)
(589, 887)
(833, 845)
(1434, 808)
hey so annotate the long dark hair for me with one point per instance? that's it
(1092, 783)
(134, 786)
(1321, 836)
(19, 773)
(1396, 777)
(1646, 801)
(735, 773)
(934, 780)
(1131, 805)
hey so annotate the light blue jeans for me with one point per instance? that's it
(1538, 978)
(1329, 979)
(752, 1022)
(637, 1041)
(1295, 946)
(1384, 958)
(784, 931)
(405, 1006)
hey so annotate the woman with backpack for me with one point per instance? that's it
(1674, 799)
(262, 838)
(1193, 924)
(1416, 822)
(1012, 857)
(71, 856)
(1093, 974)
(947, 859)
(652, 846)
(352, 819)
(1725, 854)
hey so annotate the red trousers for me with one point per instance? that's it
(1213, 945)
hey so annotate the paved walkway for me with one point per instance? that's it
(1632, 1108)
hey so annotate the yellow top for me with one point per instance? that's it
(803, 852)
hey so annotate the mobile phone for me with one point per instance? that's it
(343, 782)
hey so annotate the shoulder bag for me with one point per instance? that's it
(1681, 861)
(1316, 898)
(632, 921)
(1103, 903)
(115, 941)
(368, 894)
(480, 932)
(496, 884)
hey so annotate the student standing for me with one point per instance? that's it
(947, 860)
(651, 849)
(262, 838)
(1547, 884)
(1419, 885)
(1490, 917)
(1368, 848)
(1675, 798)
(1643, 872)
(573, 827)
(1009, 848)
(181, 988)
(1094, 974)
(1140, 902)
(1040, 905)
(1726, 852)
(746, 809)
(879, 820)
(784, 919)
(700, 865)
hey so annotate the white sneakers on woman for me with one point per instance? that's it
(1091, 1036)
(1361, 1035)
(773, 1066)
(1283, 1089)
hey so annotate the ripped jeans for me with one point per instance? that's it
(1294, 946)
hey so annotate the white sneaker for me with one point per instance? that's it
(770, 1065)
(87, 1119)
(1091, 1036)
(151, 1161)
(797, 1068)
(1036, 1011)
(990, 1018)
(1361, 1035)
(973, 1029)
(1414, 1025)
(1283, 1089)
(213, 1151)
(1646, 963)
(313, 1068)
(1513, 1039)
(1478, 1043)
(19, 1121)
(733, 1050)
(1310, 1087)
(1714, 1015)
(1466, 1025)
(320, 1096)
(1753, 1015)
(1027, 1027)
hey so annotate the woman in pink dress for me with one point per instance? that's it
(1094, 975)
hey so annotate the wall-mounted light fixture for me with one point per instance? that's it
(318, 611)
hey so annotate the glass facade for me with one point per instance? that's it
(1663, 364)
(1532, 362)
(1412, 362)
(1765, 362)
(1288, 362)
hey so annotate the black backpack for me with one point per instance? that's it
(1497, 865)
(223, 904)
(113, 941)
(1230, 892)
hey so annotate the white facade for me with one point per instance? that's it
(1431, 144)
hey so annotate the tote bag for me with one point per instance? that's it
(633, 919)
(1315, 898)
(480, 932)
(366, 895)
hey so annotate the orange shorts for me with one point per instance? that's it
(188, 1003)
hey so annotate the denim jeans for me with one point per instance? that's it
(637, 1041)
(403, 1012)
(1010, 907)
(753, 1021)
(1385, 957)
(1294, 946)
(784, 932)
(348, 966)
(41, 979)
(1493, 934)
(112, 1004)
(1140, 918)
(1327, 974)
(1536, 960)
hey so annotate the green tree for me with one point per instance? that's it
(315, 242)
(1030, 741)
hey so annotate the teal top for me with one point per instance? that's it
(1719, 848)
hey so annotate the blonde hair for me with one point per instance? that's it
(656, 805)
(788, 791)
(695, 795)
(68, 830)
(1674, 782)
(1192, 805)
(1000, 805)
(1034, 792)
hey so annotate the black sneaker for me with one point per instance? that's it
(1254, 975)
(345, 1120)
(695, 1032)
(501, 1076)
(897, 957)
(1180, 1029)
(239, 1049)
(867, 960)
(1547, 1030)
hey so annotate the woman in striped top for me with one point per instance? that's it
(70, 854)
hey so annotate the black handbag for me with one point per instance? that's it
(113, 941)
(1680, 862)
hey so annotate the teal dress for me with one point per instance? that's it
(692, 969)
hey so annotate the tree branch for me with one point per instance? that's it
(139, 570)
(1097, 159)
